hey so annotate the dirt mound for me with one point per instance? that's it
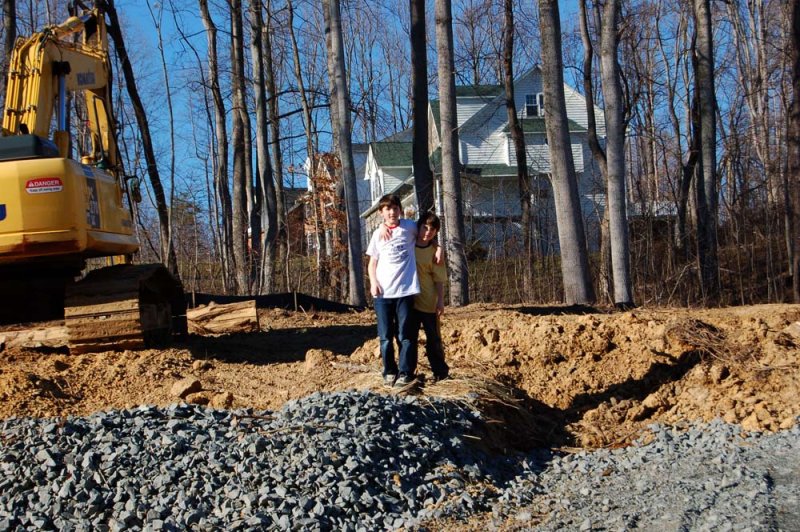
(544, 375)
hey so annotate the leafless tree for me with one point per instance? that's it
(220, 155)
(115, 31)
(9, 36)
(794, 146)
(267, 200)
(423, 177)
(518, 138)
(706, 172)
(451, 167)
(615, 153)
(571, 235)
(336, 59)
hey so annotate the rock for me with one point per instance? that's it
(222, 400)
(60, 365)
(478, 336)
(718, 373)
(184, 387)
(201, 365)
(317, 358)
(201, 398)
(652, 401)
(751, 423)
(793, 329)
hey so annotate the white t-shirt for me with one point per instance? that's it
(397, 267)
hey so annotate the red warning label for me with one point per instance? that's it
(43, 185)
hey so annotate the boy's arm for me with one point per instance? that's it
(439, 298)
(374, 287)
(438, 256)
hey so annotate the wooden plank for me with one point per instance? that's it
(111, 307)
(223, 319)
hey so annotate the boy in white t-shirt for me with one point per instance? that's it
(393, 284)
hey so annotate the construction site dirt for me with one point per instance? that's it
(560, 376)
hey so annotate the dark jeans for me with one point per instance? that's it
(433, 346)
(393, 321)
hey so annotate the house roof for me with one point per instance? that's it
(537, 125)
(478, 91)
(393, 154)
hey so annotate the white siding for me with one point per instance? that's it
(487, 197)
(576, 110)
(530, 83)
(467, 107)
(393, 178)
(538, 154)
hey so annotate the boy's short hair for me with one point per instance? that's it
(429, 218)
(389, 200)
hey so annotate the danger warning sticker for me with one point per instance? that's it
(43, 185)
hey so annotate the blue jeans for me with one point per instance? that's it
(433, 345)
(393, 321)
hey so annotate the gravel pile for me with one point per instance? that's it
(364, 461)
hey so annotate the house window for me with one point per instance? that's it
(534, 105)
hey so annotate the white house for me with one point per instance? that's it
(489, 171)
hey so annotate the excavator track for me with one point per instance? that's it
(129, 306)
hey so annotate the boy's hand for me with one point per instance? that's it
(385, 232)
(375, 289)
(438, 256)
(439, 309)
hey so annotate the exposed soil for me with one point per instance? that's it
(557, 376)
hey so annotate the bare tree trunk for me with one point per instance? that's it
(277, 154)
(518, 138)
(238, 109)
(615, 155)
(115, 30)
(9, 36)
(707, 170)
(423, 177)
(168, 100)
(355, 260)
(308, 125)
(451, 168)
(598, 153)
(221, 154)
(572, 238)
(794, 148)
(267, 201)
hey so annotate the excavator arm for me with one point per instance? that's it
(57, 211)
(48, 66)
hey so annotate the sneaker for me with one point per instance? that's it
(388, 380)
(439, 378)
(404, 380)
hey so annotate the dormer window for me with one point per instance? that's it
(534, 105)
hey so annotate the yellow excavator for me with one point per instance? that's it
(57, 210)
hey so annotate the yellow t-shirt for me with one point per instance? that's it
(428, 274)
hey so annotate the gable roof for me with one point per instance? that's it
(392, 154)
(478, 91)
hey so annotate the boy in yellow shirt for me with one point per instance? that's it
(429, 303)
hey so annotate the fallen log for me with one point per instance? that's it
(49, 336)
(223, 318)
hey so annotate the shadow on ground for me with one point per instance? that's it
(280, 345)
(516, 421)
(558, 310)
